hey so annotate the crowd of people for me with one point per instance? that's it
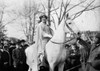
(13, 58)
(12, 55)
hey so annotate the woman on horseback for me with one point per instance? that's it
(43, 34)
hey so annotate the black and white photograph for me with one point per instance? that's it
(49, 35)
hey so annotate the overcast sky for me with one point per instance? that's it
(87, 18)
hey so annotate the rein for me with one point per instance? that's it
(73, 67)
(77, 66)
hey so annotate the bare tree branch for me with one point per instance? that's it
(64, 12)
(2, 14)
(61, 9)
(9, 22)
(25, 33)
(53, 21)
(93, 8)
(75, 5)
(85, 9)
(54, 9)
(28, 13)
(43, 7)
(67, 4)
(51, 4)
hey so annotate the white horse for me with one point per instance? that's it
(55, 49)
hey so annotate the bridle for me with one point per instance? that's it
(62, 42)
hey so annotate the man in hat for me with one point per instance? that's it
(6, 58)
(17, 57)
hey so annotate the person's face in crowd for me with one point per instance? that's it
(5, 43)
(11, 41)
(22, 43)
(95, 39)
(83, 36)
(17, 46)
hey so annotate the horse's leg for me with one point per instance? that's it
(29, 69)
(35, 65)
(34, 68)
(61, 67)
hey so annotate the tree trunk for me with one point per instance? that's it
(33, 28)
(49, 7)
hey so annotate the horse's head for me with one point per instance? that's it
(70, 25)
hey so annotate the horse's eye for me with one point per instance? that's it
(69, 23)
